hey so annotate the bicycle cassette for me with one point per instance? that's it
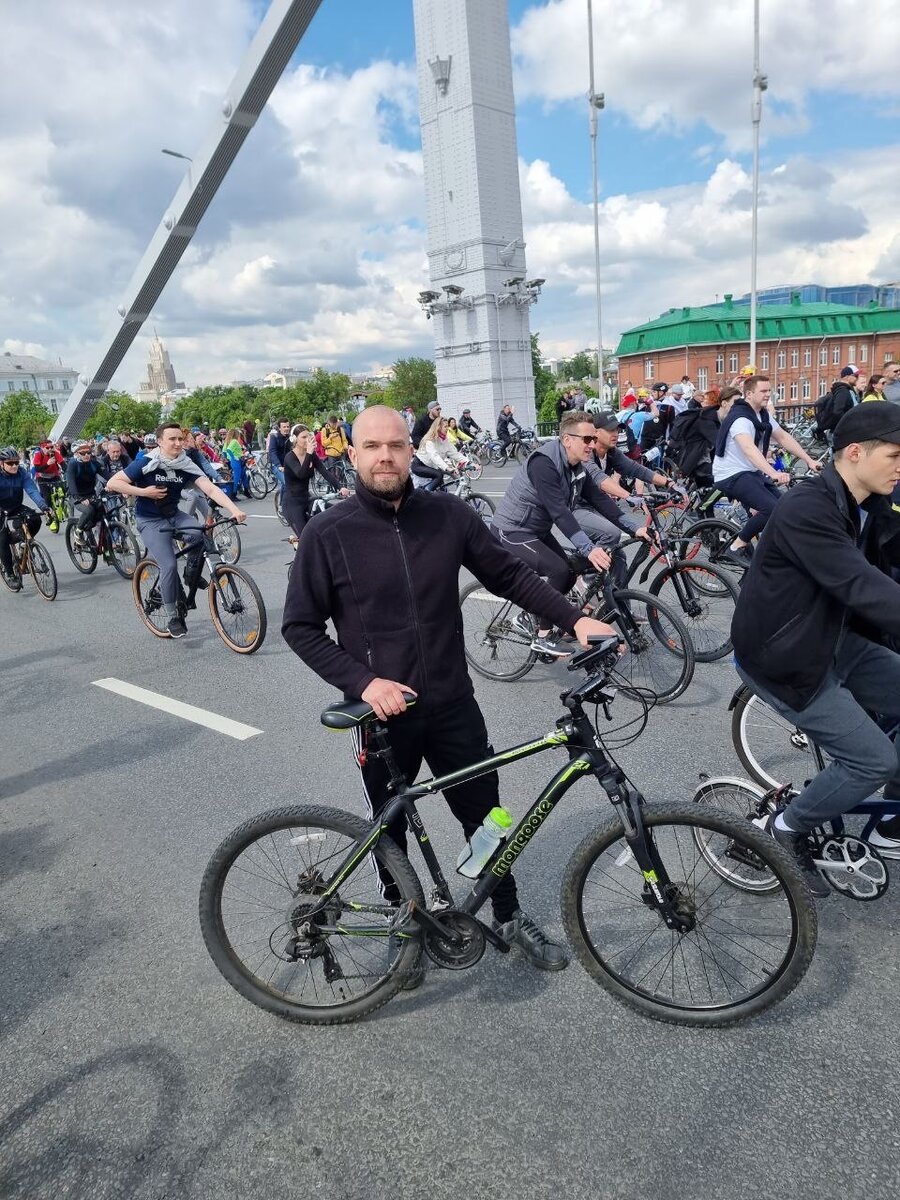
(455, 956)
(853, 867)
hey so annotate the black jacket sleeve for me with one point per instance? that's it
(307, 609)
(507, 576)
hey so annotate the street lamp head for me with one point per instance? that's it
(535, 283)
(514, 282)
(175, 154)
(429, 297)
(453, 289)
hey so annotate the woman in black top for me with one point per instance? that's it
(299, 463)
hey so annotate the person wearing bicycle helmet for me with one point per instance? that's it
(15, 484)
(157, 480)
(82, 473)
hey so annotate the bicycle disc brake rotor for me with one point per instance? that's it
(465, 953)
(853, 867)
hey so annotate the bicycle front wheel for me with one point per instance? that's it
(483, 505)
(123, 549)
(237, 608)
(256, 481)
(659, 655)
(227, 541)
(42, 570)
(333, 967)
(278, 509)
(496, 634)
(742, 952)
(82, 553)
(712, 537)
(772, 750)
(706, 597)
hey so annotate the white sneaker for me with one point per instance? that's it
(887, 847)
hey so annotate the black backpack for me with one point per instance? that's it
(680, 433)
(826, 417)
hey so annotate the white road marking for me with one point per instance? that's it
(189, 712)
(264, 516)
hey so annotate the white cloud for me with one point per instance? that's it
(672, 64)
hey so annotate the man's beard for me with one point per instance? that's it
(383, 489)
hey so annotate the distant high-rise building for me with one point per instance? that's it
(160, 373)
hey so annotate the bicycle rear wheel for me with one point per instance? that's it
(772, 750)
(712, 536)
(257, 889)
(496, 634)
(148, 599)
(278, 510)
(746, 803)
(256, 481)
(237, 608)
(705, 596)
(660, 654)
(227, 541)
(744, 952)
(83, 554)
(123, 549)
(42, 570)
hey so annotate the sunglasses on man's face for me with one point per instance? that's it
(588, 438)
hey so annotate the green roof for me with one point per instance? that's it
(711, 324)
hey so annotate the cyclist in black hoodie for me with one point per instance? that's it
(384, 566)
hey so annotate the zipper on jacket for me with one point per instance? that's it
(412, 603)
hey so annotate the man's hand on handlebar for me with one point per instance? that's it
(587, 627)
(599, 559)
(386, 696)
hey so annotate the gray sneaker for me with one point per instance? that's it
(546, 645)
(521, 931)
(797, 845)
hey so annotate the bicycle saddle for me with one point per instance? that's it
(353, 714)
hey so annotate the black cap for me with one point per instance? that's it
(873, 421)
(606, 420)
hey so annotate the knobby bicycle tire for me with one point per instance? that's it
(745, 802)
(711, 603)
(494, 648)
(123, 549)
(84, 558)
(713, 534)
(779, 753)
(43, 572)
(276, 878)
(223, 592)
(676, 977)
(482, 505)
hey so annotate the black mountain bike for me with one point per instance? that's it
(235, 602)
(704, 592)
(294, 915)
(110, 539)
(659, 653)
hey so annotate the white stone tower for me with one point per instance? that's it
(480, 293)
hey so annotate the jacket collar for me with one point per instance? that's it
(376, 504)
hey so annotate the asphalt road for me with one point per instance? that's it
(128, 1068)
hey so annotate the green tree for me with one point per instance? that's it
(23, 420)
(118, 411)
(415, 383)
(580, 366)
(544, 384)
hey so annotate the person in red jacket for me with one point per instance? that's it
(48, 466)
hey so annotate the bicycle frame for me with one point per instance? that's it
(574, 733)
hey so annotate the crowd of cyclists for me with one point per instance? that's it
(816, 625)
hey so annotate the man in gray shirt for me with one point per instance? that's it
(891, 390)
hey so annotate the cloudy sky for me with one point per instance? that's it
(313, 251)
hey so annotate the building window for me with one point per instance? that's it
(804, 392)
(782, 360)
(823, 356)
(864, 354)
(11, 385)
(795, 390)
(764, 361)
(720, 363)
(823, 387)
(888, 356)
(795, 356)
(733, 363)
(50, 385)
(851, 354)
(779, 393)
(26, 384)
(702, 379)
(648, 368)
(807, 357)
(835, 355)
